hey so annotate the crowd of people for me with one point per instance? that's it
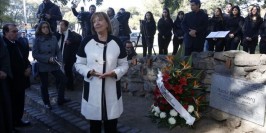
(101, 53)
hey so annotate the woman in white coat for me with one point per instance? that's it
(102, 60)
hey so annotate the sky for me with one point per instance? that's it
(116, 4)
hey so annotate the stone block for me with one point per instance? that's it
(219, 56)
(233, 53)
(222, 69)
(219, 115)
(247, 59)
(250, 69)
(134, 86)
(233, 122)
(238, 71)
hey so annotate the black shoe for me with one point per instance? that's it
(22, 123)
(61, 102)
(48, 106)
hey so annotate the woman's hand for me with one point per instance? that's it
(108, 74)
(27, 72)
(2, 75)
(94, 73)
(51, 60)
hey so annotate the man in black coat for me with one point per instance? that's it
(124, 29)
(84, 19)
(24, 40)
(195, 26)
(49, 12)
(5, 102)
(68, 42)
(21, 70)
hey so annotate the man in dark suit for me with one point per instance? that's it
(84, 18)
(195, 26)
(24, 40)
(49, 12)
(68, 42)
(5, 102)
(21, 70)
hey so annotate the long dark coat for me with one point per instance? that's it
(199, 22)
(5, 105)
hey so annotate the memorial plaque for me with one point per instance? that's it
(238, 97)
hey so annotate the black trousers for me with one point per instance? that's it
(69, 74)
(232, 43)
(262, 45)
(147, 42)
(163, 42)
(176, 43)
(110, 126)
(17, 96)
(217, 44)
(250, 46)
(60, 84)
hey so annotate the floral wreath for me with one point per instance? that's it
(182, 82)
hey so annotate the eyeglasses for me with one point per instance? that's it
(14, 31)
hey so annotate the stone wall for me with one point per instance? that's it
(141, 76)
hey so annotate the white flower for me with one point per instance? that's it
(153, 110)
(171, 120)
(157, 109)
(173, 113)
(156, 114)
(190, 108)
(162, 115)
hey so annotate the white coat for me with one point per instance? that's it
(101, 98)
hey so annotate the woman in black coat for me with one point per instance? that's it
(165, 26)
(234, 24)
(148, 29)
(178, 32)
(216, 23)
(262, 32)
(251, 30)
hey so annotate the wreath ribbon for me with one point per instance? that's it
(173, 102)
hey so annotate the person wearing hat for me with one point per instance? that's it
(194, 25)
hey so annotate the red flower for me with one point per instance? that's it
(166, 77)
(167, 85)
(183, 81)
(178, 89)
(163, 101)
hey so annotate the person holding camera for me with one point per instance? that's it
(49, 12)
(84, 19)
(124, 30)
(48, 55)
(148, 30)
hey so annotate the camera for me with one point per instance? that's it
(82, 16)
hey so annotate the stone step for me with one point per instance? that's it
(73, 122)
(68, 114)
(49, 121)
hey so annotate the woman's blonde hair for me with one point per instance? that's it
(105, 17)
